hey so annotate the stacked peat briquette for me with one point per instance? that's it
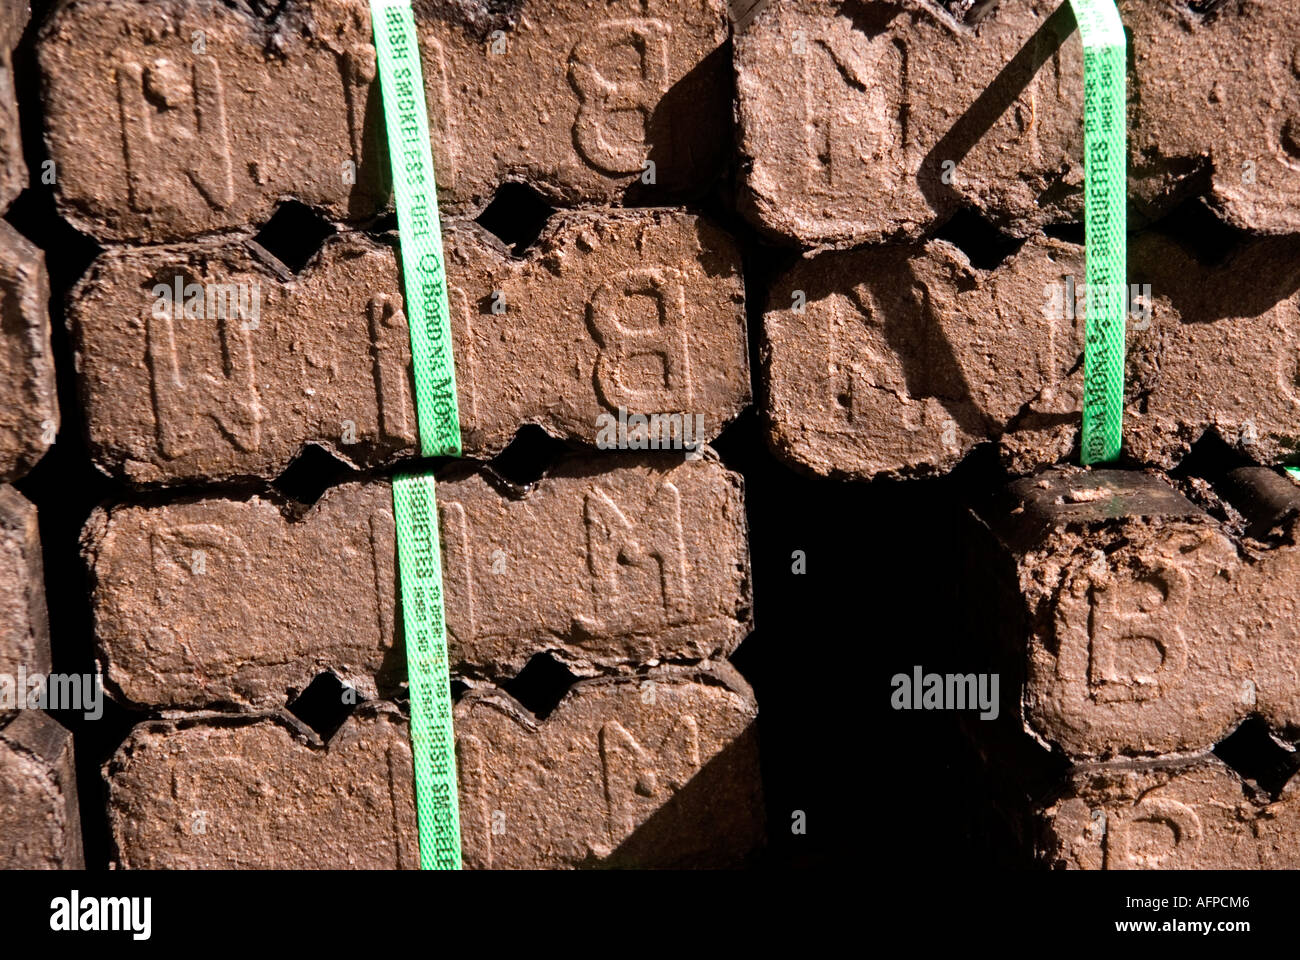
(245, 318)
(931, 166)
(912, 167)
(40, 825)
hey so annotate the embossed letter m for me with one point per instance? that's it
(612, 548)
(184, 392)
(171, 121)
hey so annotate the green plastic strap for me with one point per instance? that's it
(415, 191)
(415, 505)
(433, 745)
(1105, 155)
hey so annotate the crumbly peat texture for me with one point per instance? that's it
(865, 121)
(29, 407)
(899, 360)
(659, 770)
(1146, 627)
(40, 823)
(210, 116)
(13, 171)
(636, 309)
(607, 563)
(1185, 814)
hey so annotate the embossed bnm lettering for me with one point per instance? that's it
(615, 110)
(613, 547)
(476, 832)
(632, 775)
(383, 549)
(1288, 132)
(442, 111)
(624, 378)
(174, 118)
(1154, 832)
(359, 71)
(857, 363)
(866, 373)
(182, 400)
(457, 572)
(838, 154)
(365, 112)
(462, 333)
(390, 350)
(1136, 649)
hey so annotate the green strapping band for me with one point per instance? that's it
(415, 505)
(415, 191)
(433, 745)
(1105, 184)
